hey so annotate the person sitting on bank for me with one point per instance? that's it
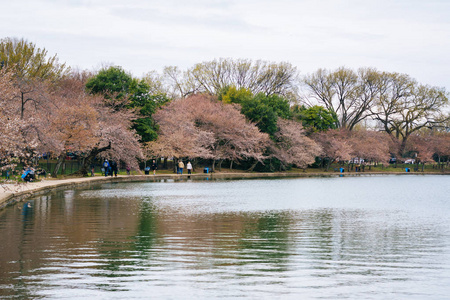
(28, 174)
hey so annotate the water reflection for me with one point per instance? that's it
(180, 240)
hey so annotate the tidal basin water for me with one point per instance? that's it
(375, 237)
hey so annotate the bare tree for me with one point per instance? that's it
(347, 93)
(213, 76)
(404, 106)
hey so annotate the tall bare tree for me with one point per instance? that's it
(347, 93)
(213, 76)
(405, 106)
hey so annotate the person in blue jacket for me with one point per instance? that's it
(107, 167)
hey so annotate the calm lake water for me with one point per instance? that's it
(376, 237)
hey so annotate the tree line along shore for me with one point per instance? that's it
(236, 114)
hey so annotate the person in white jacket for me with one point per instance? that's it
(189, 167)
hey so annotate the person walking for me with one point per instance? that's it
(154, 167)
(180, 167)
(107, 167)
(189, 167)
(114, 168)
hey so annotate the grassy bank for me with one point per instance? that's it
(73, 166)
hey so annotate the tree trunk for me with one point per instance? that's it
(61, 159)
(403, 145)
(88, 160)
(253, 166)
(175, 165)
(213, 165)
(220, 165)
(231, 165)
(158, 162)
(22, 108)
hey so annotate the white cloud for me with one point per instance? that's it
(403, 36)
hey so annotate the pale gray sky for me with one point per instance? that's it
(406, 36)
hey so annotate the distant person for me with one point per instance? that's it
(128, 168)
(32, 174)
(107, 167)
(189, 167)
(114, 168)
(92, 170)
(154, 167)
(180, 167)
(28, 174)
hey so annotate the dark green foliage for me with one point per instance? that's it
(260, 113)
(261, 109)
(315, 118)
(146, 128)
(146, 105)
(265, 110)
(115, 82)
(279, 104)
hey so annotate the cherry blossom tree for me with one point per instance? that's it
(440, 143)
(201, 126)
(12, 142)
(66, 119)
(292, 146)
(370, 145)
(92, 126)
(335, 146)
(421, 145)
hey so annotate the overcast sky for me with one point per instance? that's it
(409, 36)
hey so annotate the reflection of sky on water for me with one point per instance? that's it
(375, 192)
(313, 237)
